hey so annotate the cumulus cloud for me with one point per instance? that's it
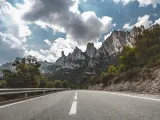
(10, 48)
(106, 36)
(143, 21)
(142, 3)
(127, 26)
(157, 21)
(13, 38)
(11, 19)
(61, 15)
(81, 27)
(55, 49)
(124, 2)
(140, 21)
(154, 3)
(47, 42)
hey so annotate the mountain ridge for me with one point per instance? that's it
(77, 65)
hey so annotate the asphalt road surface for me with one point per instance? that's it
(84, 105)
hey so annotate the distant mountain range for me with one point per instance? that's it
(77, 65)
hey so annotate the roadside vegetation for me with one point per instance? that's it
(28, 75)
(135, 64)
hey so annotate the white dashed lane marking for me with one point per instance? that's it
(73, 109)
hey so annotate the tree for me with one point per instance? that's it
(92, 80)
(10, 78)
(42, 82)
(49, 84)
(148, 47)
(65, 84)
(27, 73)
(128, 58)
(112, 69)
(28, 70)
(3, 84)
(57, 84)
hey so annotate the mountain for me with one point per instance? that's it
(77, 65)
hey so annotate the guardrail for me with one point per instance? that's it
(26, 91)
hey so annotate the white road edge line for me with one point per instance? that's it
(73, 108)
(134, 96)
(3, 106)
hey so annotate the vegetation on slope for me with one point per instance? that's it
(28, 75)
(134, 61)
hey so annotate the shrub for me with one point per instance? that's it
(3, 84)
(106, 80)
(92, 80)
(49, 84)
(57, 84)
(65, 84)
(112, 69)
(131, 73)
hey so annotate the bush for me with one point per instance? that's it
(49, 84)
(57, 84)
(3, 84)
(106, 80)
(92, 80)
(153, 64)
(112, 69)
(131, 73)
(65, 84)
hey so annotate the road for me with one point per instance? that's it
(84, 105)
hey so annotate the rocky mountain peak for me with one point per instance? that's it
(114, 43)
(77, 54)
(63, 54)
(77, 50)
(137, 30)
(154, 26)
(90, 50)
(142, 27)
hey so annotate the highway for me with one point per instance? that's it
(84, 105)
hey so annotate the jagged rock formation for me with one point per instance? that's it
(78, 64)
(91, 50)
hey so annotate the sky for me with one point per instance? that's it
(45, 28)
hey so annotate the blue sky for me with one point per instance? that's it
(45, 28)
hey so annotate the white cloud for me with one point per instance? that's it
(106, 36)
(124, 2)
(143, 21)
(127, 26)
(81, 27)
(10, 48)
(24, 31)
(140, 21)
(11, 18)
(154, 3)
(47, 42)
(157, 21)
(41, 56)
(55, 49)
(13, 39)
(142, 3)
(98, 45)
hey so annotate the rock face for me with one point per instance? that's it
(91, 50)
(77, 65)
